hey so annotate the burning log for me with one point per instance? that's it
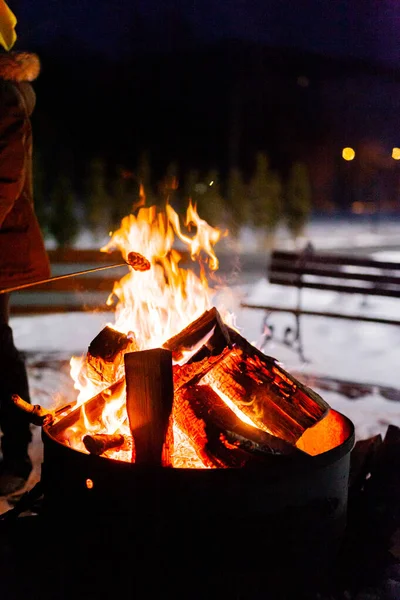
(194, 427)
(207, 405)
(36, 413)
(149, 397)
(93, 409)
(105, 354)
(263, 391)
(100, 443)
(193, 371)
(208, 438)
(189, 337)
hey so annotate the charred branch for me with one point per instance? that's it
(100, 443)
(36, 414)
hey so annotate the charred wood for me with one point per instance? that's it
(192, 371)
(189, 337)
(363, 457)
(311, 401)
(227, 454)
(35, 413)
(100, 443)
(149, 397)
(272, 399)
(194, 427)
(105, 354)
(208, 405)
(93, 408)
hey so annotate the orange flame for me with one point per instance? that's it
(153, 305)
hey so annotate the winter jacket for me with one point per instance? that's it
(23, 257)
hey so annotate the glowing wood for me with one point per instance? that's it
(149, 396)
(191, 335)
(99, 443)
(105, 354)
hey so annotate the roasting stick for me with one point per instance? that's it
(134, 260)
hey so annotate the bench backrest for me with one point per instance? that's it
(335, 272)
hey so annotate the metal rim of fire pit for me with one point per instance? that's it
(319, 460)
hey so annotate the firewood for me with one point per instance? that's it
(36, 413)
(362, 460)
(193, 371)
(207, 405)
(100, 443)
(93, 409)
(194, 427)
(228, 455)
(104, 358)
(189, 337)
(149, 396)
(209, 439)
(311, 401)
(264, 392)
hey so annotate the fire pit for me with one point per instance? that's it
(257, 487)
(195, 440)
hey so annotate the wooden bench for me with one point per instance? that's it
(81, 293)
(328, 272)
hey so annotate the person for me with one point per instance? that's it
(23, 257)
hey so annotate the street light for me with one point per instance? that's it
(348, 153)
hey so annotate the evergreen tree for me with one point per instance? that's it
(144, 170)
(144, 177)
(265, 192)
(124, 194)
(98, 198)
(210, 203)
(191, 182)
(238, 205)
(63, 222)
(170, 184)
(298, 199)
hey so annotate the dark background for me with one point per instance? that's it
(208, 85)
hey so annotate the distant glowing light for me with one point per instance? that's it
(348, 153)
(89, 484)
(396, 153)
(211, 183)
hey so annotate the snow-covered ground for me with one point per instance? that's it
(354, 351)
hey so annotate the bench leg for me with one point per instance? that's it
(293, 338)
(267, 331)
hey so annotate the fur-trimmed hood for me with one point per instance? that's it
(19, 66)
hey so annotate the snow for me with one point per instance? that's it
(354, 351)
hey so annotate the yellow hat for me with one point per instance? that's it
(8, 22)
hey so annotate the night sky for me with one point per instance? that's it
(368, 29)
